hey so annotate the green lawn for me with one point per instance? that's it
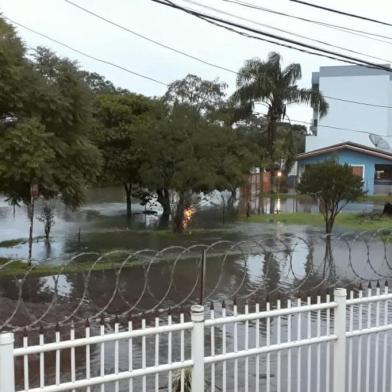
(17, 241)
(346, 220)
(19, 268)
(297, 196)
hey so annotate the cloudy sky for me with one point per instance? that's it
(62, 21)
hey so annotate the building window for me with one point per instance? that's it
(383, 173)
(358, 170)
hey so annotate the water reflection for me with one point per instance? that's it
(101, 223)
(286, 267)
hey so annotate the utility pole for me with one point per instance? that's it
(33, 195)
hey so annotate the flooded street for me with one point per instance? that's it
(157, 269)
(101, 225)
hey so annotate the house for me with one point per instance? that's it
(357, 129)
(372, 164)
(360, 107)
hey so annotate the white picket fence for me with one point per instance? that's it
(336, 345)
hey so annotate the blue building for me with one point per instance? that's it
(372, 164)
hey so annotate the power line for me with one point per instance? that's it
(198, 58)
(149, 39)
(332, 126)
(360, 33)
(358, 102)
(283, 31)
(340, 128)
(303, 46)
(182, 52)
(84, 53)
(191, 55)
(165, 84)
(342, 12)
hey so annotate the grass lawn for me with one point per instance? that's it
(19, 268)
(346, 220)
(297, 196)
(17, 241)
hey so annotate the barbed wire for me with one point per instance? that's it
(128, 284)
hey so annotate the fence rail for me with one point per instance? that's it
(313, 345)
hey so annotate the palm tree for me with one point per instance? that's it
(265, 82)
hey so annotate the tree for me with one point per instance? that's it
(185, 154)
(97, 83)
(45, 121)
(205, 96)
(333, 185)
(120, 117)
(189, 101)
(47, 218)
(266, 82)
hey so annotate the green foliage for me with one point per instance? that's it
(268, 83)
(334, 185)
(26, 157)
(121, 118)
(16, 77)
(204, 96)
(290, 141)
(187, 378)
(184, 152)
(97, 83)
(45, 124)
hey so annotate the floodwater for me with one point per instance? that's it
(242, 260)
(101, 225)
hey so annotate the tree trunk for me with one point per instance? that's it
(47, 232)
(164, 222)
(272, 198)
(182, 204)
(31, 216)
(164, 201)
(271, 134)
(261, 186)
(231, 200)
(329, 225)
(179, 215)
(128, 195)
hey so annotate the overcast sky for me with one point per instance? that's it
(72, 26)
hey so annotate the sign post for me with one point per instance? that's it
(33, 195)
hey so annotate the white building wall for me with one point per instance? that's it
(356, 84)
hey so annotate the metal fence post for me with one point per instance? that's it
(7, 377)
(339, 355)
(197, 316)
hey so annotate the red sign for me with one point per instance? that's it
(34, 190)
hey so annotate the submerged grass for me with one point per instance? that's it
(18, 268)
(346, 220)
(298, 196)
(12, 243)
(17, 241)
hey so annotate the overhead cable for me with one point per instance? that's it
(163, 83)
(349, 30)
(232, 26)
(191, 55)
(148, 38)
(103, 18)
(84, 53)
(340, 128)
(342, 12)
(220, 11)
